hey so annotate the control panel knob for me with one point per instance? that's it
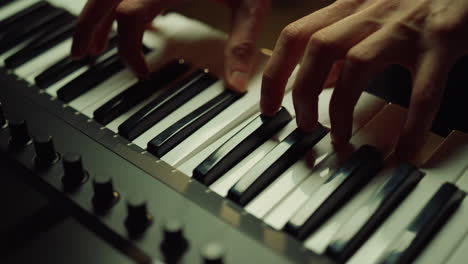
(213, 253)
(174, 243)
(104, 194)
(74, 174)
(138, 218)
(2, 117)
(19, 133)
(45, 151)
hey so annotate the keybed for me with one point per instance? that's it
(295, 182)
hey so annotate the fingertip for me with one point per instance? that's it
(238, 81)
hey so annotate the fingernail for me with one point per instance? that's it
(239, 80)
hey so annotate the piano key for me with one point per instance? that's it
(459, 254)
(95, 75)
(191, 164)
(219, 125)
(184, 127)
(41, 43)
(347, 180)
(139, 92)
(40, 22)
(367, 106)
(446, 165)
(323, 236)
(274, 164)
(165, 104)
(378, 132)
(5, 2)
(65, 67)
(451, 235)
(20, 11)
(240, 145)
(426, 224)
(373, 212)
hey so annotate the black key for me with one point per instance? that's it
(5, 2)
(348, 179)
(186, 126)
(363, 223)
(165, 104)
(26, 14)
(40, 44)
(22, 31)
(65, 67)
(91, 78)
(278, 160)
(426, 224)
(139, 92)
(240, 145)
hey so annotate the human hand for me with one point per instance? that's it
(358, 39)
(133, 17)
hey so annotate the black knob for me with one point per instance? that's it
(104, 194)
(45, 151)
(174, 243)
(138, 218)
(74, 174)
(2, 117)
(213, 253)
(19, 133)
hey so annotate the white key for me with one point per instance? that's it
(366, 108)
(458, 255)
(72, 6)
(302, 191)
(451, 234)
(45, 60)
(178, 114)
(192, 163)
(446, 165)
(321, 238)
(218, 126)
(15, 7)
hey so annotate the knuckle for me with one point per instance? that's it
(321, 41)
(291, 34)
(356, 58)
(125, 13)
(443, 29)
(243, 50)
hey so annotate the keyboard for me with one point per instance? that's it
(100, 167)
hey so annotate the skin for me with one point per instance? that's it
(344, 44)
(135, 16)
(350, 41)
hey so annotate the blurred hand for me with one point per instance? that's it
(133, 17)
(350, 41)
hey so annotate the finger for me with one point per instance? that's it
(324, 48)
(93, 14)
(248, 16)
(133, 17)
(290, 47)
(334, 74)
(362, 62)
(428, 88)
(101, 35)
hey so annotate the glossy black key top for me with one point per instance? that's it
(22, 31)
(186, 126)
(66, 66)
(26, 14)
(94, 76)
(239, 146)
(348, 179)
(139, 92)
(427, 223)
(41, 43)
(165, 104)
(278, 160)
(366, 219)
